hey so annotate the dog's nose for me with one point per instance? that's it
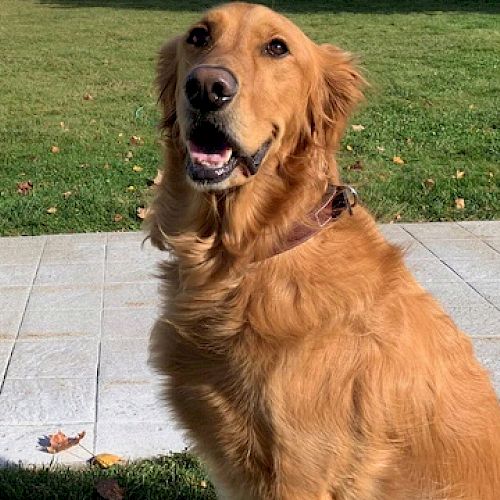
(210, 88)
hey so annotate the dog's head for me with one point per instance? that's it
(243, 86)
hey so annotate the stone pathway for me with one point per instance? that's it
(75, 314)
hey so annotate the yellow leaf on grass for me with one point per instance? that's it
(349, 147)
(429, 183)
(357, 128)
(131, 188)
(51, 210)
(459, 174)
(460, 203)
(67, 194)
(137, 168)
(55, 149)
(105, 460)
(398, 160)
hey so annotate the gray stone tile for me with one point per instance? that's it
(431, 270)
(17, 275)
(414, 250)
(65, 297)
(130, 272)
(477, 269)
(67, 274)
(461, 249)
(129, 236)
(127, 295)
(493, 243)
(488, 353)
(455, 294)
(23, 241)
(474, 320)
(395, 233)
(139, 440)
(60, 324)
(77, 238)
(483, 229)
(125, 251)
(128, 323)
(135, 401)
(488, 289)
(11, 254)
(125, 360)
(10, 320)
(439, 230)
(5, 350)
(24, 444)
(47, 401)
(73, 253)
(75, 358)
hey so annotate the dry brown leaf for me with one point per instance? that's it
(88, 97)
(106, 460)
(67, 194)
(398, 160)
(51, 210)
(59, 442)
(459, 174)
(55, 149)
(357, 165)
(158, 178)
(117, 218)
(429, 183)
(397, 216)
(357, 128)
(460, 203)
(24, 187)
(137, 168)
(135, 140)
(109, 489)
(142, 212)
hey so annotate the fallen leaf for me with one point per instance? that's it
(357, 128)
(131, 188)
(459, 174)
(88, 97)
(55, 149)
(397, 216)
(380, 149)
(24, 187)
(408, 140)
(106, 460)
(109, 489)
(135, 140)
(120, 134)
(107, 166)
(52, 210)
(357, 165)
(460, 203)
(203, 484)
(129, 154)
(117, 218)
(137, 168)
(62, 125)
(429, 183)
(490, 174)
(59, 442)
(67, 194)
(471, 106)
(349, 147)
(398, 160)
(158, 178)
(142, 212)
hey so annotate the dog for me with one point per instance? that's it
(301, 357)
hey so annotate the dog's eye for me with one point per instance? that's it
(276, 48)
(199, 37)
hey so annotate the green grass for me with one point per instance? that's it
(434, 102)
(173, 477)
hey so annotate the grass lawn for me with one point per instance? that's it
(175, 477)
(434, 102)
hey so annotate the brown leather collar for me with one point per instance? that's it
(335, 201)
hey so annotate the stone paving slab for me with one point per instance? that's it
(75, 316)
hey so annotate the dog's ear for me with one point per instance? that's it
(166, 83)
(335, 93)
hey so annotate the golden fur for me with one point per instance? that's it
(324, 372)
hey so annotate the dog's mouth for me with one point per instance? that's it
(213, 155)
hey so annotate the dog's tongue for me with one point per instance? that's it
(212, 159)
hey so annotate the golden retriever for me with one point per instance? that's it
(302, 358)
